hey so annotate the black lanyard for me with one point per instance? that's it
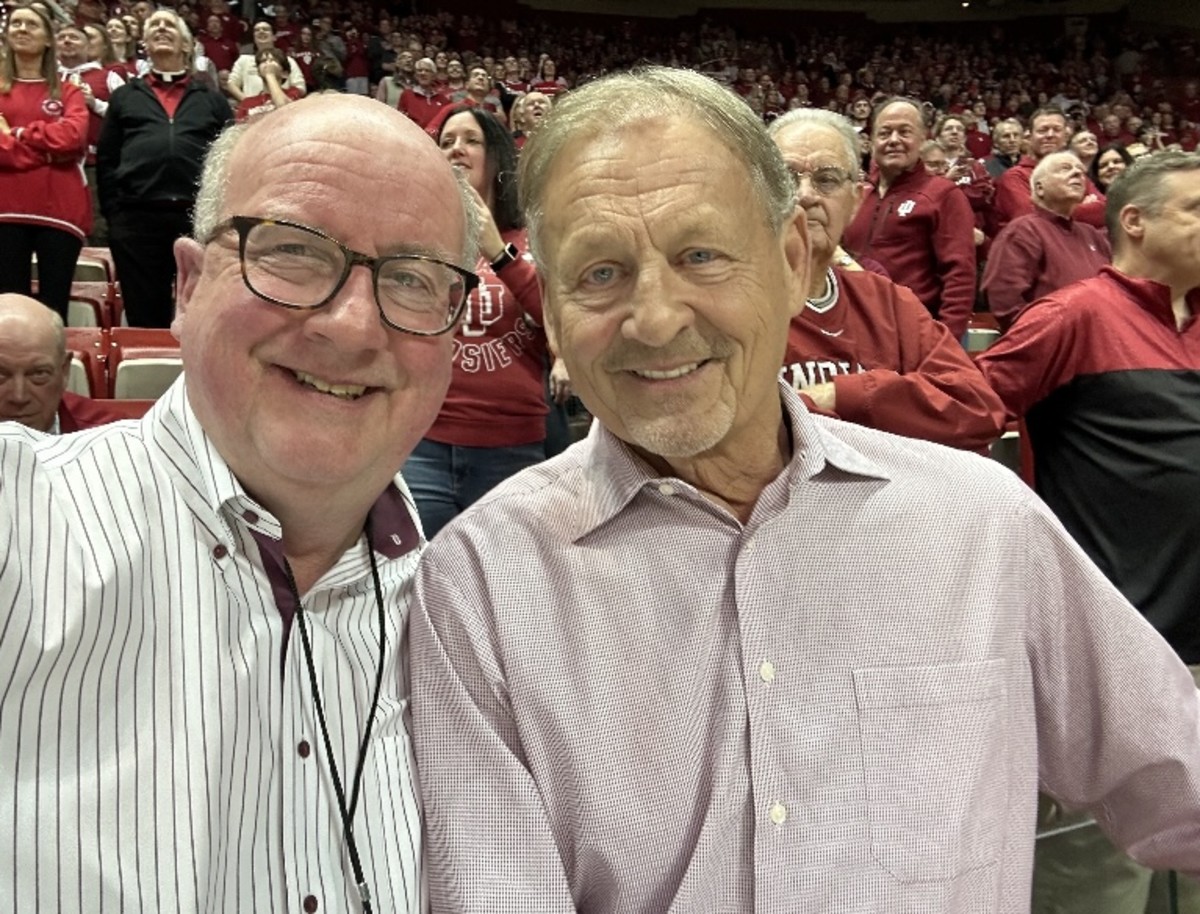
(347, 812)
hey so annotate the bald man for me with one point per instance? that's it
(203, 701)
(34, 364)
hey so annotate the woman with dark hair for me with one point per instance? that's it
(1109, 162)
(44, 204)
(492, 423)
(547, 81)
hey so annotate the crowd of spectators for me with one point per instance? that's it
(1123, 92)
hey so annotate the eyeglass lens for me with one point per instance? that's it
(824, 180)
(297, 267)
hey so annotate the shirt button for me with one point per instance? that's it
(666, 488)
(250, 517)
(778, 813)
(303, 748)
(310, 903)
(219, 551)
(766, 671)
(750, 544)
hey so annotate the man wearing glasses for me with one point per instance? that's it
(865, 347)
(202, 700)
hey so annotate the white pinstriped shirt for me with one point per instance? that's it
(152, 755)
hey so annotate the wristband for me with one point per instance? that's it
(506, 256)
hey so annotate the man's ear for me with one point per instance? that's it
(65, 368)
(189, 265)
(797, 250)
(1131, 221)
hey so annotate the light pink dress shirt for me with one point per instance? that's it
(627, 701)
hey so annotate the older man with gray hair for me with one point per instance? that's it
(727, 656)
(865, 347)
(1045, 250)
(148, 161)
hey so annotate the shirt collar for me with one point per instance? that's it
(178, 78)
(208, 485)
(82, 68)
(614, 474)
(909, 176)
(1052, 217)
(1154, 297)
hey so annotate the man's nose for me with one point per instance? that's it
(351, 319)
(16, 390)
(659, 308)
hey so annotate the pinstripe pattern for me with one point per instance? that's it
(148, 743)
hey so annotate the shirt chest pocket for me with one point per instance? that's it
(934, 766)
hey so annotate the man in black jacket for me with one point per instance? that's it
(148, 163)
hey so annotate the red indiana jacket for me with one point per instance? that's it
(922, 231)
(893, 367)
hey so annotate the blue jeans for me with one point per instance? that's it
(446, 478)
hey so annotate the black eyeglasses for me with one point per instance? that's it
(825, 181)
(300, 267)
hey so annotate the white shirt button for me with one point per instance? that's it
(665, 488)
(750, 544)
(766, 671)
(778, 813)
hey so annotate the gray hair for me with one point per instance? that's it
(1046, 163)
(1141, 185)
(822, 117)
(609, 104)
(188, 46)
(1009, 122)
(214, 181)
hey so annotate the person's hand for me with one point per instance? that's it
(491, 245)
(4, 128)
(270, 69)
(560, 382)
(979, 237)
(824, 395)
(89, 97)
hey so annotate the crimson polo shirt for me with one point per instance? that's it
(922, 231)
(1035, 255)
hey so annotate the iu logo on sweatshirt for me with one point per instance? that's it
(484, 308)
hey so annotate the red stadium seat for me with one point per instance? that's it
(142, 363)
(89, 348)
(83, 311)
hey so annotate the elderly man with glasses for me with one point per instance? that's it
(864, 347)
(204, 693)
